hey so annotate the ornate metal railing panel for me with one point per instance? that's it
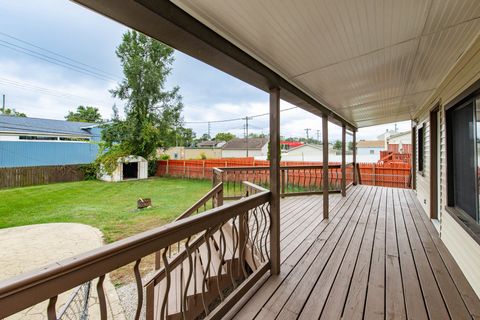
(205, 241)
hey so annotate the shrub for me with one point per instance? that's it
(203, 156)
(164, 157)
(152, 167)
(107, 159)
(90, 171)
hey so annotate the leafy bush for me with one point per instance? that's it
(90, 171)
(164, 157)
(152, 167)
(203, 156)
(107, 160)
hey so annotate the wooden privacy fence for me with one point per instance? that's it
(376, 174)
(30, 176)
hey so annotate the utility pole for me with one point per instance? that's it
(208, 130)
(318, 136)
(246, 132)
(307, 131)
(3, 108)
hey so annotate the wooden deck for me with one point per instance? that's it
(377, 257)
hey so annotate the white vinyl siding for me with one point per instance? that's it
(423, 178)
(464, 249)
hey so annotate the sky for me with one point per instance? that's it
(64, 56)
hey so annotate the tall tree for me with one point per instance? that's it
(153, 114)
(12, 112)
(85, 114)
(337, 145)
(224, 136)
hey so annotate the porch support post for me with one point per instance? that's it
(354, 157)
(414, 156)
(344, 171)
(325, 165)
(275, 180)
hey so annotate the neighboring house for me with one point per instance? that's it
(238, 148)
(43, 142)
(183, 153)
(287, 145)
(304, 152)
(399, 142)
(211, 144)
(174, 153)
(198, 153)
(370, 147)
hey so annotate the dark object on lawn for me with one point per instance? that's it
(144, 203)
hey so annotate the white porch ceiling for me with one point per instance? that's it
(371, 61)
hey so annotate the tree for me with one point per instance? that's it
(337, 145)
(184, 137)
(256, 135)
(204, 137)
(350, 145)
(85, 114)
(152, 113)
(224, 136)
(13, 112)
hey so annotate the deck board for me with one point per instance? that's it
(377, 257)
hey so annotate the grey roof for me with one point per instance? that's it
(241, 144)
(208, 143)
(12, 124)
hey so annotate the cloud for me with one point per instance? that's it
(41, 90)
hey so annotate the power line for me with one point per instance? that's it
(55, 61)
(57, 54)
(52, 92)
(235, 119)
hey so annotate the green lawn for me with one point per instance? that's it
(111, 207)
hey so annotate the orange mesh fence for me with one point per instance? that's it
(388, 174)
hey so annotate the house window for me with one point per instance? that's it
(74, 139)
(421, 147)
(372, 151)
(42, 138)
(463, 134)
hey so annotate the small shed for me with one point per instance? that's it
(128, 168)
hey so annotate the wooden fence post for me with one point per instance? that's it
(373, 175)
(166, 170)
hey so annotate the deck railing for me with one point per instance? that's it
(294, 180)
(47, 283)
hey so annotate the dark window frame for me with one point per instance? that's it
(421, 148)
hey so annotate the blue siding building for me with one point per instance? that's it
(43, 142)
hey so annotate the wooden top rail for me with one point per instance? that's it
(36, 286)
(293, 167)
(254, 186)
(214, 191)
